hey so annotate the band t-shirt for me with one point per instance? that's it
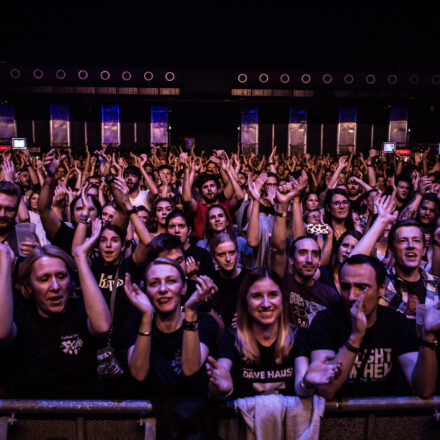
(165, 377)
(265, 376)
(376, 372)
(307, 301)
(52, 357)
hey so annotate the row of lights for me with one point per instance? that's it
(327, 78)
(83, 75)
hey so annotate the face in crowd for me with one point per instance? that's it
(163, 208)
(339, 207)
(271, 181)
(132, 181)
(24, 179)
(347, 245)
(217, 220)
(225, 255)
(50, 285)
(356, 279)
(209, 191)
(177, 226)
(353, 187)
(402, 190)
(408, 248)
(312, 202)
(175, 255)
(306, 258)
(428, 211)
(107, 215)
(110, 246)
(77, 211)
(165, 288)
(264, 302)
(313, 217)
(8, 211)
(33, 202)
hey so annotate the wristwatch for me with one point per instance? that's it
(281, 214)
(133, 210)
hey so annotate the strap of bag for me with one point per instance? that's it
(112, 304)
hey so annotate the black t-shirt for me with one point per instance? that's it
(416, 295)
(125, 314)
(327, 277)
(264, 376)
(165, 377)
(63, 238)
(377, 371)
(52, 357)
(203, 257)
(225, 300)
(307, 301)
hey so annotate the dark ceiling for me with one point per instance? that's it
(229, 34)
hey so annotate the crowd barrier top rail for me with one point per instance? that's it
(136, 406)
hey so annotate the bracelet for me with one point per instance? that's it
(190, 325)
(132, 211)
(303, 384)
(431, 345)
(369, 165)
(281, 214)
(354, 350)
(84, 219)
(271, 163)
(144, 333)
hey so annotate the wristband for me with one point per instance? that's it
(354, 350)
(85, 219)
(431, 345)
(271, 163)
(281, 214)
(144, 333)
(190, 325)
(131, 211)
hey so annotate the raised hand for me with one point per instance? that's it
(254, 190)
(322, 371)
(51, 163)
(260, 180)
(138, 298)
(205, 290)
(122, 187)
(342, 163)
(8, 169)
(271, 194)
(192, 266)
(386, 209)
(85, 199)
(90, 242)
(423, 185)
(144, 160)
(357, 316)
(105, 162)
(219, 377)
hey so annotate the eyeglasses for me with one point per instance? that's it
(341, 203)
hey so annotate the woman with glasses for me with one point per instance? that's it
(338, 212)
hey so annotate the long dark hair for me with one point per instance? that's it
(209, 233)
(349, 225)
(152, 223)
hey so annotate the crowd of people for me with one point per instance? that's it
(191, 278)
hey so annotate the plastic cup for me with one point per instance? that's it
(420, 318)
(25, 232)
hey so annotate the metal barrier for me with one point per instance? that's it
(362, 418)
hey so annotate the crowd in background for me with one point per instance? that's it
(189, 278)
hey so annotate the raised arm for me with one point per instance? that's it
(410, 210)
(147, 178)
(341, 165)
(81, 229)
(253, 230)
(139, 353)
(188, 178)
(51, 222)
(386, 214)
(194, 352)
(99, 318)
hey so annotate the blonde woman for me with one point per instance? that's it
(265, 355)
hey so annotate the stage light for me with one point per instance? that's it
(414, 79)
(60, 74)
(370, 79)
(435, 79)
(284, 78)
(348, 78)
(38, 73)
(14, 73)
(392, 79)
(148, 76)
(242, 78)
(306, 78)
(83, 74)
(327, 78)
(126, 76)
(104, 75)
(169, 76)
(263, 78)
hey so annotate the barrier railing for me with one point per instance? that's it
(361, 418)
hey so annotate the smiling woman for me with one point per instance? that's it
(264, 355)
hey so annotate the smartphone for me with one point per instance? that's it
(389, 147)
(19, 143)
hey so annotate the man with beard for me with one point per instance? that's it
(354, 189)
(209, 190)
(132, 177)
(407, 284)
(306, 295)
(10, 195)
